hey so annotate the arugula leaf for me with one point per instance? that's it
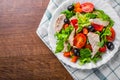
(111, 23)
(85, 56)
(85, 53)
(101, 43)
(106, 32)
(68, 13)
(96, 57)
(103, 34)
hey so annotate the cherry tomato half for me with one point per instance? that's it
(97, 27)
(79, 40)
(103, 49)
(74, 22)
(112, 36)
(87, 7)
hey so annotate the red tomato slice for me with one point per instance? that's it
(112, 37)
(87, 7)
(102, 49)
(74, 22)
(97, 27)
(79, 40)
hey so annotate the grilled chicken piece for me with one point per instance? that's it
(94, 40)
(71, 37)
(59, 23)
(99, 21)
(65, 47)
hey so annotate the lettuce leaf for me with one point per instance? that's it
(68, 13)
(64, 33)
(62, 37)
(90, 15)
(103, 34)
(101, 14)
(83, 21)
(59, 46)
(85, 56)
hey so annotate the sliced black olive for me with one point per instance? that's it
(110, 45)
(76, 52)
(70, 7)
(66, 21)
(91, 28)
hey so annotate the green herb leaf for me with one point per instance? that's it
(101, 14)
(83, 21)
(90, 15)
(59, 46)
(96, 57)
(68, 47)
(85, 56)
(68, 13)
(106, 32)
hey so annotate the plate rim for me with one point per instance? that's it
(59, 53)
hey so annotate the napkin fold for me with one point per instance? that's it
(108, 71)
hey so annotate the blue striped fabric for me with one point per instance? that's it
(109, 71)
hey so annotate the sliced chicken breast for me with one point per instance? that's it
(71, 37)
(59, 23)
(65, 47)
(99, 21)
(94, 40)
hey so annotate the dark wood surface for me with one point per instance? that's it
(23, 56)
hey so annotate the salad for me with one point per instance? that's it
(84, 33)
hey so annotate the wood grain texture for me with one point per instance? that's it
(23, 56)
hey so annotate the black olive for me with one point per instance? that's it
(110, 45)
(76, 52)
(91, 28)
(66, 21)
(70, 7)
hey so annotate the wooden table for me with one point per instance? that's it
(23, 56)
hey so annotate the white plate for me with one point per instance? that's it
(99, 4)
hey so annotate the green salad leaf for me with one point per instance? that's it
(103, 34)
(101, 14)
(68, 13)
(96, 57)
(106, 32)
(64, 33)
(62, 37)
(90, 15)
(85, 56)
(68, 47)
(59, 46)
(83, 21)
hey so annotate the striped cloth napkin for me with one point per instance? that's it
(109, 71)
